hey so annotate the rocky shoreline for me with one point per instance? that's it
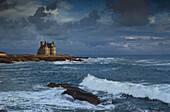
(25, 58)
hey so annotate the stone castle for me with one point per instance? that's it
(47, 49)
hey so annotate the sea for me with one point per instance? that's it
(134, 83)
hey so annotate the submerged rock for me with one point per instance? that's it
(77, 93)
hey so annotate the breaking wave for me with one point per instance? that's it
(159, 92)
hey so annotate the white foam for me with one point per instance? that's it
(160, 92)
(144, 61)
(163, 64)
(67, 62)
(153, 62)
(102, 60)
(46, 99)
(89, 61)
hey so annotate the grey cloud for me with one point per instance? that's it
(136, 12)
(51, 6)
(91, 19)
(85, 36)
(159, 6)
(4, 5)
(129, 12)
(38, 19)
(40, 12)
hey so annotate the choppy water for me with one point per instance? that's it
(123, 83)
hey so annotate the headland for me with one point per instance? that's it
(25, 58)
(46, 52)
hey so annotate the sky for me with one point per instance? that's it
(86, 27)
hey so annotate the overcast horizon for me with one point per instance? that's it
(86, 27)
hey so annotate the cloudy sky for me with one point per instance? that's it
(86, 27)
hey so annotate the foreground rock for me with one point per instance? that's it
(3, 111)
(77, 93)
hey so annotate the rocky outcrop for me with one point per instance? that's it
(5, 60)
(77, 93)
(3, 111)
(24, 58)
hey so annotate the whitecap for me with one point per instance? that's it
(162, 64)
(159, 92)
(67, 62)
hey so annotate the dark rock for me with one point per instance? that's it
(59, 59)
(5, 60)
(52, 85)
(82, 95)
(3, 111)
(22, 59)
(52, 58)
(35, 59)
(77, 93)
(74, 59)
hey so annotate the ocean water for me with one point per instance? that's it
(123, 83)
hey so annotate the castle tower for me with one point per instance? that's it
(47, 49)
(42, 43)
(53, 49)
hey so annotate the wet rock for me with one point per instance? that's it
(35, 59)
(3, 111)
(82, 95)
(5, 60)
(74, 59)
(77, 93)
(52, 59)
(52, 85)
(24, 58)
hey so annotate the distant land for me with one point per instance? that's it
(24, 58)
(46, 52)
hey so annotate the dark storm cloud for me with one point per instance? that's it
(136, 12)
(91, 19)
(87, 31)
(51, 6)
(40, 12)
(38, 20)
(129, 12)
(157, 6)
(5, 5)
